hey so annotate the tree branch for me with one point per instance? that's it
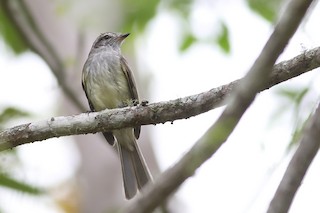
(218, 133)
(152, 114)
(298, 166)
(21, 18)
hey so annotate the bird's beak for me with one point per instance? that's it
(123, 36)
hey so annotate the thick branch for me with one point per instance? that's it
(151, 114)
(209, 143)
(298, 167)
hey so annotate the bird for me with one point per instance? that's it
(108, 83)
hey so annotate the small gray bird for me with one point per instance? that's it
(109, 83)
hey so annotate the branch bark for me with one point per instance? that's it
(152, 114)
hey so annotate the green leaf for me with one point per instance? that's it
(11, 183)
(181, 6)
(187, 41)
(223, 39)
(297, 133)
(294, 95)
(9, 34)
(301, 94)
(267, 9)
(10, 113)
(288, 93)
(137, 14)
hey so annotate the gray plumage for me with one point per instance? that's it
(109, 83)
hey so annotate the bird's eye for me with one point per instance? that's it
(107, 36)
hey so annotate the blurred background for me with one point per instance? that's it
(176, 48)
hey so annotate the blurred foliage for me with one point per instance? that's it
(11, 113)
(183, 7)
(7, 181)
(187, 41)
(267, 9)
(137, 14)
(296, 97)
(9, 33)
(298, 131)
(223, 39)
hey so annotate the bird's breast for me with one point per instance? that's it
(106, 83)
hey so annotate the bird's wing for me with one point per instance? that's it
(132, 88)
(130, 79)
(108, 135)
(84, 87)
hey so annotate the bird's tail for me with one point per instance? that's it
(134, 169)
